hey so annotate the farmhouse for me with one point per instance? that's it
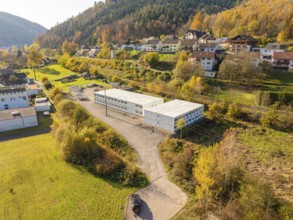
(166, 116)
(13, 97)
(241, 43)
(13, 119)
(130, 102)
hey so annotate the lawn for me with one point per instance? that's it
(234, 95)
(54, 72)
(279, 81)
(36, 183)
(168, 58)
(268, 145)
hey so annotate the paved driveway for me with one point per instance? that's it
(161, 199)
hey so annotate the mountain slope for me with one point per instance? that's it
(121, 19)
(15, 30)
(260, 18)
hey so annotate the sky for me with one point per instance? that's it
(45, 12)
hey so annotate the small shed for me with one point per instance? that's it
(42, 104)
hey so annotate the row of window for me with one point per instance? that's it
(110, 98)
(112, 105)
(13, 98)
(11, 93)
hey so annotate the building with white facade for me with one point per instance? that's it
(153, 46)
(208, 47)
(282, 61)
(266, 54)
(207, 59)
(13, 97)
(13, 119)
(129, 102)
(171, 45)
(42, 104)
(166, 116)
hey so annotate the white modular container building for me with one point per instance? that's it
(42, 104)
(13, 119)
(129, 102)
(165, 116)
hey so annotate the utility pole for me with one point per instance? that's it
(106, 102)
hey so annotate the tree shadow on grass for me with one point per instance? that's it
(47, 70)
(208, 132)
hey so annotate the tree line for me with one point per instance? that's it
(121, 20)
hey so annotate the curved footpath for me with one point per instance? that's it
(161, 199)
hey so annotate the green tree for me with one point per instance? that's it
(180, 125)
(69, 47)
(35, 58)
(233, 112)
(268, 119)
(150, 59)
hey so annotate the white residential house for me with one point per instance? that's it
(223, 43)
(266, 54)
(206, 38)
(208, 47)
(171, 46)
(153, 46)
(189, 45)
(166, 116)
(13, 97)
(13, 119)
(283, 61)
(207, 59)
(194, 34)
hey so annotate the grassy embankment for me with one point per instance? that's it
(36, 183)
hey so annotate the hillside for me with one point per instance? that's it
(260, 18)
(121, 19)
(15, 30)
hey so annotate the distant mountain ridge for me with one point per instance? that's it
(15, 30)
(122, 19)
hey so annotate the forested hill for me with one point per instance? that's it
(15, 30)
(120, 19)
(261, 18)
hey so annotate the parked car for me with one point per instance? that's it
(135, 203)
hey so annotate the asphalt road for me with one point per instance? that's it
(161, 199)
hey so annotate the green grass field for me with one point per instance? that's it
(54, 72)
(234, 95)
(168, 58)
(280, 81)
(36, 183)
(268, 145)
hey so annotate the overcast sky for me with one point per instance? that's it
(45, 12)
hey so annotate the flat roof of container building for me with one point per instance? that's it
(175, 108)
(129, 96)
